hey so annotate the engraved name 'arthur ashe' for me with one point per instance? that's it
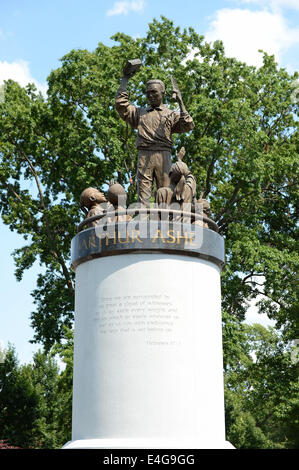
(154, 316)
(133, 236)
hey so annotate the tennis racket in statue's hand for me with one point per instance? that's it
(176, 94)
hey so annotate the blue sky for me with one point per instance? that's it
(35, 34)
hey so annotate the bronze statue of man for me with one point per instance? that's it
(155, 124)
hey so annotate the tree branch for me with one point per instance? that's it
(50, 235)
(210, 170)
(260, 424)
(270, 298)
(12, 190)
(229, 203)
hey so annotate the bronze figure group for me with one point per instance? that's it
(155, 125)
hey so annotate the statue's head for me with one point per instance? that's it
(205, 205)
(116, 195)
(90, 197)
(155, 90)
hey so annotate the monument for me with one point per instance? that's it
(148, 369)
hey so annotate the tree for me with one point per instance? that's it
(35, 407)
(65, 387)
(19, 402)
(261, 388)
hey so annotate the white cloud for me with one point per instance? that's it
(244, 32)
(19, 72)
(125, 7)
(274, 4)
(253, 316)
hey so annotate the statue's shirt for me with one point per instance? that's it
(155, 125)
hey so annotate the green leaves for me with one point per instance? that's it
(33, 402)
(261, 387)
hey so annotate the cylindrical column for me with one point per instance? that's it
(148, 366)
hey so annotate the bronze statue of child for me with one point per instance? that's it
(91, 201)
(201, 207)
(117, 198)
(182, 187)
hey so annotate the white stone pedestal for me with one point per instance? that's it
(148, 369)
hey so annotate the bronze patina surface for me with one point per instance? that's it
(155, 125)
